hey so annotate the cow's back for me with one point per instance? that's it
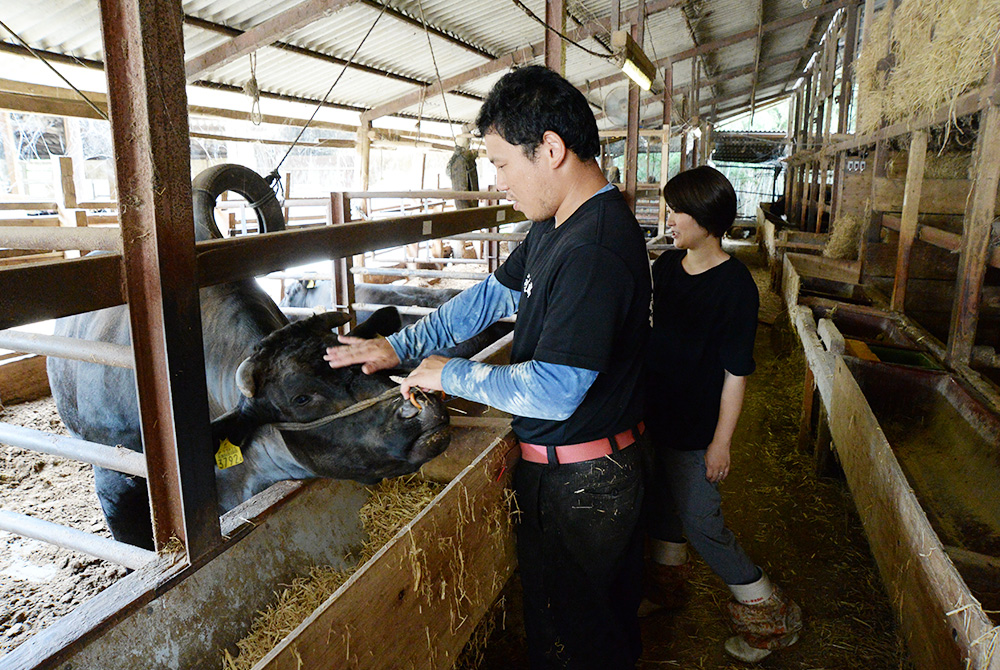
(96, 402)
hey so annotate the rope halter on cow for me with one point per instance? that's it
(359, 406)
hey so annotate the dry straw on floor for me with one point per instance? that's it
(937, 51)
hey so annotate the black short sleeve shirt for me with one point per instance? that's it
(703, 326)
(585, 291)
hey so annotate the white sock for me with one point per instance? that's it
(754, 593)
(668, 553)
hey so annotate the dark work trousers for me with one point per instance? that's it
(681, 502)
(579, 548)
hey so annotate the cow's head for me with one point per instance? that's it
(286, 381)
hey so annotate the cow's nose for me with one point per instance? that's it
(407, 410)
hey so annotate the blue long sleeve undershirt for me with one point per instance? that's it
(534, 389)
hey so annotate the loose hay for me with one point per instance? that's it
(393, 504)
(932, 53)
(845, 239)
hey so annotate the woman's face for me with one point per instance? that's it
(685, 230)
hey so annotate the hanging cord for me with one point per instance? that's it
(273, 178)
(548, 27)
(437, 73)
(58, 74)
(253, 90)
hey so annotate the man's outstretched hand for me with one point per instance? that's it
(374, 355)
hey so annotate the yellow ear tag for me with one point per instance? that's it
(311, 283)
(228, 455)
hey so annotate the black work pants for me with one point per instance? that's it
(579, 548)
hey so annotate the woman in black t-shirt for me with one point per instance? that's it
(700, 352)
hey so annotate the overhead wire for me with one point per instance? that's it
(273, 179)
(564, 37)
(437, 73)
(37, 55)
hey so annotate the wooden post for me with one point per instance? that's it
(342, 292)
(908, 222)
(10, 154)
(668, 112)
(822, 170)
(365, 149)
(144, 57)
(976, 238)
(847, 76)
(632, 131)
(555, 47)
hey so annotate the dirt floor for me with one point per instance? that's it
(803, 530)
(38, 581)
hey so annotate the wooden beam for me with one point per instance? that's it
(756, 56)
(262, 35)
(437, 32)
(978, 227)
(144, 46)
(555, 47)
(301, 51)
(95, 282)
(736, 38)
(632, 136)
(598, 27)
(911, 209)
(847, 73)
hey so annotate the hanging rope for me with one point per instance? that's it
(58, 74)
(273, 179)
(253, 90)
(437, 73)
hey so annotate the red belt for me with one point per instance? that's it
(584, 451)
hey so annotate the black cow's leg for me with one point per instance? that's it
(125, 501)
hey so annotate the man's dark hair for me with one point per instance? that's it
(528, 101)
(704, 194)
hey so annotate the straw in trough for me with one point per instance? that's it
(393, 503)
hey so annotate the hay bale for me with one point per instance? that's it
(931, 53)
(948, 165)
(845, 238)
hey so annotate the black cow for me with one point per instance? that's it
(268, 386)
(312, 293)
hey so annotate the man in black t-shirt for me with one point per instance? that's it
(580, 287)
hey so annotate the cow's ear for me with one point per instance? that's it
(383, 322)
(327, 321)
(233, 426)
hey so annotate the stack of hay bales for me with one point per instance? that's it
(922, 55)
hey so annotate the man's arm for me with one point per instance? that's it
(462, 317)
(533, 389)
(466, 315)
(730, 407)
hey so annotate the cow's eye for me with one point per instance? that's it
(301, 399)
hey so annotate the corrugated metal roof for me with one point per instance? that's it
(399, 52)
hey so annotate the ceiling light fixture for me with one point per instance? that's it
(628, 55)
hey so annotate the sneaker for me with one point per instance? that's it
(740, 649)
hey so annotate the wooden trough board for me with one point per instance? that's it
(417, 601)
(944, 626)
